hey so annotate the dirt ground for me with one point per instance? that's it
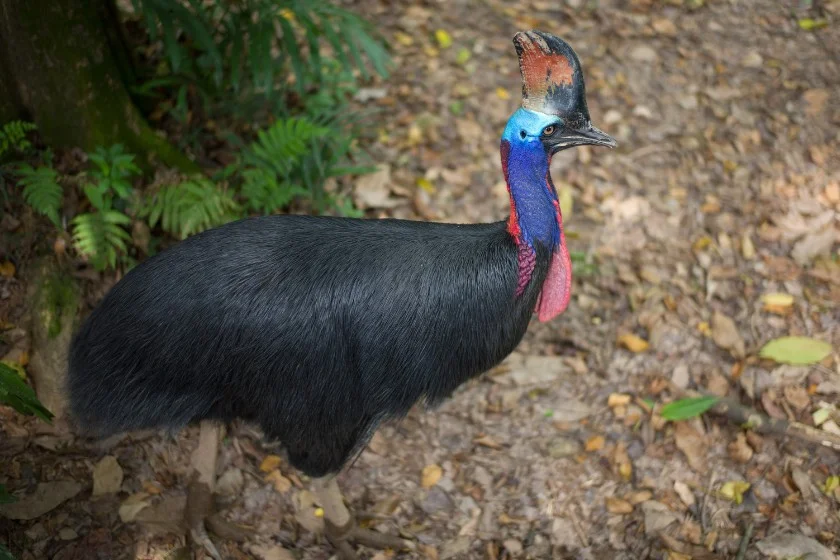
(725, 188)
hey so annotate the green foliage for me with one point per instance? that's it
(190, 207)
(13, 136)
(41, 190)
(20, 396)
(235, 51)
(101, 235)
(5, 554)
(684, 409)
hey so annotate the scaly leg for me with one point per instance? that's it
(341, 528)
(201, 486)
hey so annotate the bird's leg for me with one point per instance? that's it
(201, 486)
(341, 527)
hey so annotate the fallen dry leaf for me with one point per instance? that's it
(734, 490)
(487, 441)
(430, 476)
(270, 463)
(633, 343)
(617, 505)
(7, 269)
(739, 450)
(107, 476)
(281, 483)
(595, 443)
(780, 304)
(685, 493)
(618, 399)
(726, 335)
(692, 443)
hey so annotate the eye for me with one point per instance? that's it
(549, 130)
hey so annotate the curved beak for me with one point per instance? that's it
(579, 137)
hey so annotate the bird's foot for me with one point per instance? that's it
(342, 537)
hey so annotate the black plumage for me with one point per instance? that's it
(315, 328)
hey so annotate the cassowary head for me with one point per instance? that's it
(554, 115)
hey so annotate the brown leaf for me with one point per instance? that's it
(726, 335)
(739, 450)
(270, 463)
(685, 493)
(693, 445)
(487, 441)
(718, 385)
(281, 483)
(595, 443)
(797, 397)
(617, 505)
(618, 399)
(431, 475)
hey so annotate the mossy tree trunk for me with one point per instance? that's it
(61, 68)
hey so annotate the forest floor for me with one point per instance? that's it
(725, 188)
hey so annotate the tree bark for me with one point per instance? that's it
(69, 80)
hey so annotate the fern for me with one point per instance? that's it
(190, 207)
(13, 136)
(41, 190)
(20, 396)
(101, 237)
(235, 51)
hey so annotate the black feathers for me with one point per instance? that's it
(315, 328)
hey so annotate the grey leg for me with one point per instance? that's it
(342, 529)
(201, 486)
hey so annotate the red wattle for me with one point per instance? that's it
(557, 287)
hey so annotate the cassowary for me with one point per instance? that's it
(319, 328)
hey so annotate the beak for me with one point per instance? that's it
(587, 135)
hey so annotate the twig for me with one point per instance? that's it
(576, 524)
(745, 542)
(739, 414)
(742, 415)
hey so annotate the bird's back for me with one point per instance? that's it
(316, 328)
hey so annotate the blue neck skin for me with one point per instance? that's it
(526, 165)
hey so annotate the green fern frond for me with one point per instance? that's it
(42, 191)
(190, 207)
(101, 237)
(13, 136)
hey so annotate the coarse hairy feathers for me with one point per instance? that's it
(315, 328)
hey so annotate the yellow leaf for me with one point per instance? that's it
(319, 512)
(780, 304)
(502, 93)
(702, 242)
(17, 366)
(831, 484)
(426, 185)
(431, 475)
(444, 40)
(809, 24)
(734, 490)
(595, 443)
(704, 328)
(633, 343)
(280, 482)
(625, 470)
(287, 14)
(618, 399)
(270, 463)
(7, 269)
(404, 39)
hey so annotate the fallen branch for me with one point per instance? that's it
(748, 417)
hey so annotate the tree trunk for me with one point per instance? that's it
(69, 81)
